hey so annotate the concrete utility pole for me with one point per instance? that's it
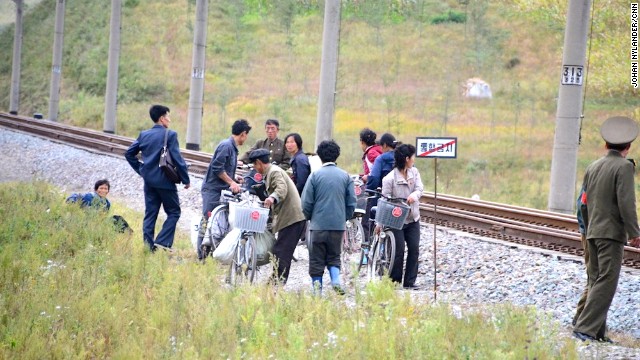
(111, 94)
(56, 67)
(328, 71)
(568, 117)
(14, 97)
(196, 93)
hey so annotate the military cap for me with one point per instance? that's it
(619, 130)
(259, 154)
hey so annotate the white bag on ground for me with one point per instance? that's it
(224, 251)
(195, 229)
(264, 247)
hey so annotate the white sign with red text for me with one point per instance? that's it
(439, 147)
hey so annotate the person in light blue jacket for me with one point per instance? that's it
(328, 201)
(96, 199)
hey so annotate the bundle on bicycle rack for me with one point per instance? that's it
(248, 217)
(391, 214)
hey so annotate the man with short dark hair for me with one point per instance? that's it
(328, 201)
(611, 220)
(158, 189)
(278, 154)
(221, 175)
(289, 221)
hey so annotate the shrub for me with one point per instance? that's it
(451, 16)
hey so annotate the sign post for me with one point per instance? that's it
(440, 147)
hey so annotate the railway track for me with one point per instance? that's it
(515, 224)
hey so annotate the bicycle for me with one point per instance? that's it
(380, 252)
(250, 218)
(218, 226)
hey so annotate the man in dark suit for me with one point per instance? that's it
(610, 220)
(158, 189)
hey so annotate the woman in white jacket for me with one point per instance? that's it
(404, 182)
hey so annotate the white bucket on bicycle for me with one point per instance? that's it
(248, 218)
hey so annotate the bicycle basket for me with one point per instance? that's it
(248, 218)
(391, 214)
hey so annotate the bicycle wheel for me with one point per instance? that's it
(244, 264)
(354, 234)
(351, 241)
(235, 267)
(252, 259)
(384, 252)
(217, 227)
(366, 249)
(364, 257)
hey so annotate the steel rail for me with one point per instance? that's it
(92, 140)
(531, 227)
(538, 228)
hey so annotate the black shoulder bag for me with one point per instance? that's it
(166, 163)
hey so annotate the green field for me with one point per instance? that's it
(72, 288)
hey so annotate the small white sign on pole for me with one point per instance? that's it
(437, 147)
(572, 74)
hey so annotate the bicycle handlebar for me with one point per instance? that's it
(378, 192)
(229, 196)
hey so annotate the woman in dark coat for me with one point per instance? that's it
(299, 161)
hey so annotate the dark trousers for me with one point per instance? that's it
(585, 292)
(605, 261)
(324, 250)
(209, 202)
(153, 198)
(410, 234)
(284, 247)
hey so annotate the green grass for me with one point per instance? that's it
(70, 287)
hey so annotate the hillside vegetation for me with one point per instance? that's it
(402, 66)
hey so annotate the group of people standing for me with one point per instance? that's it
(325, 198)
(389, 166)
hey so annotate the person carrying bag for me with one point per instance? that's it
(166, 163)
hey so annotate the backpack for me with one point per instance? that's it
(121, 225)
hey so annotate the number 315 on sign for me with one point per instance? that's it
(572, 75)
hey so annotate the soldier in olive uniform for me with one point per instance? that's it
(278, 154)
(611, 210)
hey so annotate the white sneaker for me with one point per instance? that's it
(165, 248)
